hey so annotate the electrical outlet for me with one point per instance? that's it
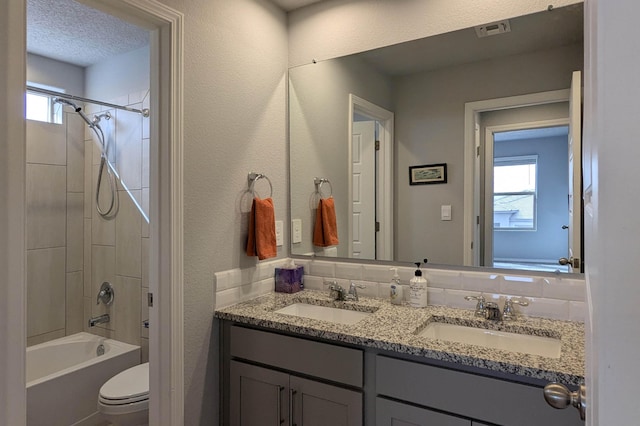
(296, 230)
(279, 237)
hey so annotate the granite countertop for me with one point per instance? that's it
(396, 327)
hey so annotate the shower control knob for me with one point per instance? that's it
(106, 294)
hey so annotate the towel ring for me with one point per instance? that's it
(318, 183)
(253, 177)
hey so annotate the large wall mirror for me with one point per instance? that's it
(385, 133)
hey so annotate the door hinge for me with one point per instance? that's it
(150, 299)
(377, 226)
(471, 245)
(377, 145)
(477, 220)
(477, 151)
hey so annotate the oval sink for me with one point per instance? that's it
(323, 313)
(523, 343)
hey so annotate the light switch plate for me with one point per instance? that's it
(279, 237)
(296, 230)
(445, 212)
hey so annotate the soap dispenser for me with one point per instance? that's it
(395, 288)
(418, 289)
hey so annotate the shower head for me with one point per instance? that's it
(76, 108)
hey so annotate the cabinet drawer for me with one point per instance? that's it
(329, 362)
(469, 395)
(392, 413)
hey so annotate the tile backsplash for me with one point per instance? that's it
(556, 297)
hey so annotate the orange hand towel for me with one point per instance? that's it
(325, 232)
(261, 241)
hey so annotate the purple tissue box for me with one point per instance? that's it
(290, 280)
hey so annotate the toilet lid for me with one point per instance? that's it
(127, 385)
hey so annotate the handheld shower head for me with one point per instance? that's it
(76, 109)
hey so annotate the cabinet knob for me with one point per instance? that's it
(559, 396)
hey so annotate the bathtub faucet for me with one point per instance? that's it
(99, 320)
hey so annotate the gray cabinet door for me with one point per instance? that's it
(258, 396)
(319, 404)
(392, 413)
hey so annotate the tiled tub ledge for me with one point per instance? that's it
(395, 328)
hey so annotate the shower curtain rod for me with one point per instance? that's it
(144, 111)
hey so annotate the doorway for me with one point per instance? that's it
(165, 272)
(526, 185)
(370, 171)
(565, 102)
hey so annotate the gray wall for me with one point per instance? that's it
(319, 120)
(429, 111)
(549, 240)
(235, 85)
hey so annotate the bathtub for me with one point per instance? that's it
(64, 377)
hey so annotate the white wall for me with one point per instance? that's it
(12, 213)
(56, 74)
(611, 151)
(118, 76)
(429, 110)
(335, 28)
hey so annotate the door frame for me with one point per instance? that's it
(488, 177)
(166, 207)
(384, 184)
(472, 110)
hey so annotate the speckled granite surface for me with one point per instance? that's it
(395, 328)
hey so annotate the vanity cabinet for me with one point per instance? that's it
(275, 393)
(276, 379)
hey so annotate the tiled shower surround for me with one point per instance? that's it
(94, 249)
(556, 297)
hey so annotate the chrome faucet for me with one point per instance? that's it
(99, 320)
(481, 306)
(493, 312)
(336, 291)
(509, 312)
(353, 291)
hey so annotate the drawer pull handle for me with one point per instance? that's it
(292, 394)
(279, 409)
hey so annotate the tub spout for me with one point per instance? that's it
(99, 320)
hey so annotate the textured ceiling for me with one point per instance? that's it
(71, 32)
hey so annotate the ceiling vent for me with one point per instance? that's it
(493, 28)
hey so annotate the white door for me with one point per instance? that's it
(575, 173)
(363, 176)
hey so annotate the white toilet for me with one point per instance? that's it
(124, 398)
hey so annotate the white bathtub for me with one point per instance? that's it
(64, 377)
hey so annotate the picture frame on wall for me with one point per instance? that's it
(428, 174)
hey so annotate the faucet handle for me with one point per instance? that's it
(509, 312)
(105, 294)
(481, 306)
(353, 286)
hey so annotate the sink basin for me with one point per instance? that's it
(523, 343)
(323, 313)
